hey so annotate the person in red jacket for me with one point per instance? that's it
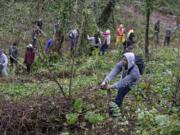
(29, 57)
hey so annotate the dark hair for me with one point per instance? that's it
(14, 43)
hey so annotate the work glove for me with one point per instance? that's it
(103, 85)
(108, 87)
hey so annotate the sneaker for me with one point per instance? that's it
(114, 110)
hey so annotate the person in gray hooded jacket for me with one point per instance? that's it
(130, 77)
(3, 63)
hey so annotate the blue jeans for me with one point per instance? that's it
(157, 37)
(121, 94)
(34, 42)
(166, 41)
(73, 44)
(4, 71)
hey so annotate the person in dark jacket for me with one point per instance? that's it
(56, 28)
(40, 24)
(34, 34)
(157, 31)
(13, 54)
(167, 38)
(130, 76)
(29, 57)
(129, 42)
(74, 35)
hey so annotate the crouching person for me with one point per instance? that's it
(130, 76)
(3, 63)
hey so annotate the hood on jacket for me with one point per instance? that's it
(131, 59)
(1, 52)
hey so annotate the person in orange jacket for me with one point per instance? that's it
(120, 35)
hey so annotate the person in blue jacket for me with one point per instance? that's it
(48, 45)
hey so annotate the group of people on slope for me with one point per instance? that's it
(126, 40)
(167, 34)
(128, 65)
(13, 58)
(96, 41)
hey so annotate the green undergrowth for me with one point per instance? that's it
(90, 71)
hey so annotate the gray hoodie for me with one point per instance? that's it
(3, 60)
(129, 77)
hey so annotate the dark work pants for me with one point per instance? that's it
(34, 41)
(157, 37)
(166, 41)
(28, 68)
(124, 48)
(73, 45)
(104, 47)
(121, 94)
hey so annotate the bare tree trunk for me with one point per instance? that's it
(147, 31)
(50, 71)
(74, 53)
(106, 13)
(176, 97)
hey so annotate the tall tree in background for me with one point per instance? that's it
(147, 29)
(148, 8)
(106, 13)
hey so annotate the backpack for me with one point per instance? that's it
(140, 63)
(96, 40)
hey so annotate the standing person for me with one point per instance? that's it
(56, 28)
(39, 27)
(130, 76)
(120, 35)
(95, 42)
(29, 57)
(74, 35)
(13, 54)
(157, 31)
(34, 35)
(168, 33)
(106, 42)
(3, 63)
(48, 45)
(129, 40)
(130, 33)
(40, 24)
(58, 37)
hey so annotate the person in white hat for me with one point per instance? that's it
(107, 41)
